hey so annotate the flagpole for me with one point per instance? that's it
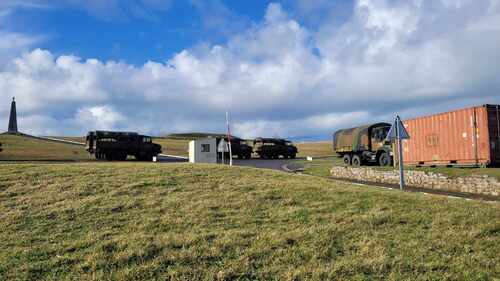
(229, 140)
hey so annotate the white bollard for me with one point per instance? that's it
(309, 158)
(154, 159)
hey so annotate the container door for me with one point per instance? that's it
(494, 132)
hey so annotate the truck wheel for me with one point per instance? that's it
(346, 159)
(356, 161)
(109, 156)
(384, 159)
(122, 156)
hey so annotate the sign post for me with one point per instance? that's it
(399, 133)
(229, 140)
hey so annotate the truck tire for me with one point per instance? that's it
(385, 159)
(122, 156)
(109, 156)
(346, 159)
(356, 160)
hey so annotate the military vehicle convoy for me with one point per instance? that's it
(239, 148)
(365, 144)
(110, 145)
(267, 148)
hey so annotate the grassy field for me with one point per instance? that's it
(316, 149)
(25, 148)
(174, 146)
(75, 139)
(321, 167)
(139, 221)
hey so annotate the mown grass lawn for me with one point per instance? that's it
(145, 221)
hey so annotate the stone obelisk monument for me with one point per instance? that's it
(13, 118)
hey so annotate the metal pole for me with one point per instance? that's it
(223, 150)
(400, 153)
(498, 130)
(229, 140)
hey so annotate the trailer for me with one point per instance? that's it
(464, 137)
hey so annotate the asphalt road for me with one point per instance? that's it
(273, 164)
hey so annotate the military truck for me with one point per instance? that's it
(268, 148)
(239, 148)
(365, 144)
(110, 145)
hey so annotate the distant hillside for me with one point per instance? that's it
(25, 148)
(194, 135)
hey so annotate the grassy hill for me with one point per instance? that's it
(192, 136)
(17, 147)
(137, 221)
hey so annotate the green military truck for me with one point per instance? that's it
(365, 144)
(268, 148)
(239, 148)
(110, 146)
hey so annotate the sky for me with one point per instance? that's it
(299, 69)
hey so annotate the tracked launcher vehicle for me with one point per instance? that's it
(365, 144)
(111, 146)
(268, 148)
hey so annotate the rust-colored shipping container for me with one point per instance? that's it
(469, 136)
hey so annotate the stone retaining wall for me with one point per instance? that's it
(478, 184)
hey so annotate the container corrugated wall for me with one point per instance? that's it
(460, 137)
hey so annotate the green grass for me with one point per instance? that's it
(321, 167)
(138, 221)
(25, 148)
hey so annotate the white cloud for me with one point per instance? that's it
(277, 78)
(98, 117)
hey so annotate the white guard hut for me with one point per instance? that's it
(203, 151)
